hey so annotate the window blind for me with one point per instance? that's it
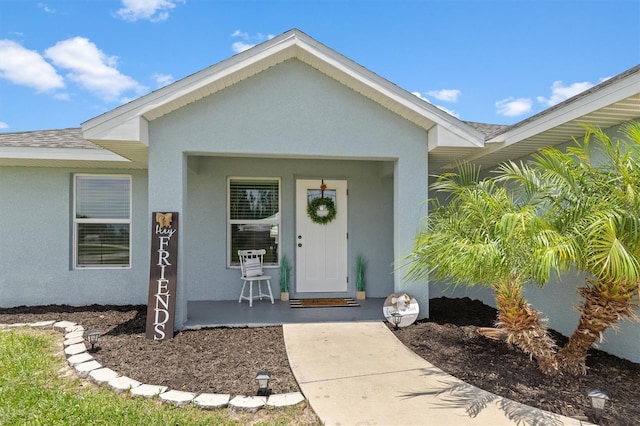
(253, 200)
(102, 221)
(102, 197)
(254, 218)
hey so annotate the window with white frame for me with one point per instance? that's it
(102, 221)
(253, 217)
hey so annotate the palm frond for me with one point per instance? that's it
(612, 245)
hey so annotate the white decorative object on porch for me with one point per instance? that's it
(251, 262)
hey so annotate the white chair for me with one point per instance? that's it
(251, 267)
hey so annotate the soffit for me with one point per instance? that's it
(85, 164)
(444, 159)
(608, 104)
(26, 156)
(331, 64)
(609, 116)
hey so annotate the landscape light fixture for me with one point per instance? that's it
(92, 338)
(262, 379)
(598, 401)
(396, 317)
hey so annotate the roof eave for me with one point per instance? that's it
(63, 157)
(572, 110)
(128, 123)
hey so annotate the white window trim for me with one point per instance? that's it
(75, 222)
(261, 221)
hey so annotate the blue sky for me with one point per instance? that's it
(64, 62)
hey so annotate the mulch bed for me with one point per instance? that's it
(225, 360)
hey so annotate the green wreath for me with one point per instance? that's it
(312, 210)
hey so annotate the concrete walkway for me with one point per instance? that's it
(361, 374)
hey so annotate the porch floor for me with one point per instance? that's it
(230, 313)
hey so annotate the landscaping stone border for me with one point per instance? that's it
(86, 367)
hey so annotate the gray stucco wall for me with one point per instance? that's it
(289, 111)
(370, 223)
(36, 243)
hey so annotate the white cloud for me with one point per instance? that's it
(445, 95)
(27, 68)
(162, 79)
(151, 10)
(445, 109)
(241, 46)
(512, 107)
(3, 125)
(238, 33)
(248, 41)
(560, 92)
(46, 8)
(91, 68)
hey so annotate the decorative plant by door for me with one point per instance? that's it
(321, 210)
(361, 267)
(285, 273)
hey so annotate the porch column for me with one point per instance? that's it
(167, 192)
(409, 209)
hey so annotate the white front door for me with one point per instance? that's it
(321, 249)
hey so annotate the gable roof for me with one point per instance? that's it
(119, 139)
(124, 129)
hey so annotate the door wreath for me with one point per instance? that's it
(321, 210)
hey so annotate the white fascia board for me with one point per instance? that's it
(217, 72)
(73, 154)
(592, 102)
(441, 136)
(127, 122)
(132, 129)
(463, 131)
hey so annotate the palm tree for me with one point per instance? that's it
(593, 200)
(485, 236)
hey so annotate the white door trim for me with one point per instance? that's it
(321, 249)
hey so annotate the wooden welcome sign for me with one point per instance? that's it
(161, 306)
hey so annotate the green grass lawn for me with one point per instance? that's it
(35, 391)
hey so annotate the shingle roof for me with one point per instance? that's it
(489, 130)
(58, 138)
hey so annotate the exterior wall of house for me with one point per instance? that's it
(289, 111)
(370, 225)
(556, 300)
(36, 243)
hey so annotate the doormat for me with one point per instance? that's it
(322, 303)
